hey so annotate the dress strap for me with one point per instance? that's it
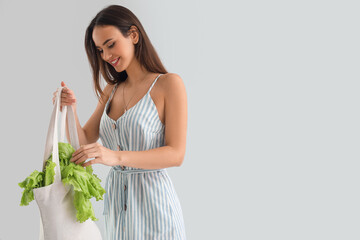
(154, 82)
(112, 92)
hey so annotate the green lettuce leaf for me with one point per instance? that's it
(35, 180)
(85, 183)
(49, 172)
(65, 153)
(86, 186)
(84, 208)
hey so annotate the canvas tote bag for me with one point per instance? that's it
(55, 201)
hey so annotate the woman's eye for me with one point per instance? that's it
(112, 45)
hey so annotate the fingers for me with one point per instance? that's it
(91, 162)
(80, 158)
(82, 148)
(65, 101)
(67, 97)
(85, 152)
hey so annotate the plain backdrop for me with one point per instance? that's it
(273, 110)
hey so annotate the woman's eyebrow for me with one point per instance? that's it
(105, 42)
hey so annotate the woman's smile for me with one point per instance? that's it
(115, 62)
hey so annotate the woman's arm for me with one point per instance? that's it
(90, 132)
(80, 131)
(173, 153)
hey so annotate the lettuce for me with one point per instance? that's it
(49, 172)
(83, 181)
(35, 180)
(86, 185)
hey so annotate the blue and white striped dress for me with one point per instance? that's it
(139, 203)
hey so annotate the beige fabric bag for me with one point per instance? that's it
(55, 201)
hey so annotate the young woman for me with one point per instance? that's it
(141, 119)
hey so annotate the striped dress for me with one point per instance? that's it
(139, 203)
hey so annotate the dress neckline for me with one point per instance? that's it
(112, 94)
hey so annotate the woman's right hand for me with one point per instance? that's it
(67, 97)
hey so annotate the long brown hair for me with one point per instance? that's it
(121, 18)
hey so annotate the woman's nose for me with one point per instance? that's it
(107, 57)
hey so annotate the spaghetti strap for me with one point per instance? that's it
(116, 85)
(154, 82)
(112, 92)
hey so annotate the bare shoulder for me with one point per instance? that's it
(171, 82)
(172, 77)
(107, 90)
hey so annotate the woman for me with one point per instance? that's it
(141, 119)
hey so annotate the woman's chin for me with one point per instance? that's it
(117, 69)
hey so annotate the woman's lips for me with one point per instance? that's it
(114, 64)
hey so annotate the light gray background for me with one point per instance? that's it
(273, 110)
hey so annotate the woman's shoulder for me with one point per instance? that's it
(166, 80)
(170, 81)
(107, 90)
(171, 76)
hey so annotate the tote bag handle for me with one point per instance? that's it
(51, 144)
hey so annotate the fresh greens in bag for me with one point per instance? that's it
(83, 181)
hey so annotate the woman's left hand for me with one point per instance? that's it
(101, 154)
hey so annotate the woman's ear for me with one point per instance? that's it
(134, 34)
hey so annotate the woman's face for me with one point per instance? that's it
(117, 50)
